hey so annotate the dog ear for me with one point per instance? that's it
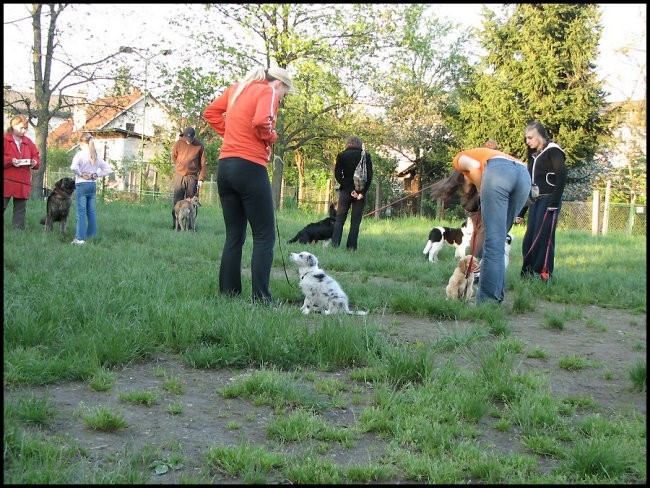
(58, 184)
(462, 264)
(312, 260)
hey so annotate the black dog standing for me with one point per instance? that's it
(58, 204)
(317, 231)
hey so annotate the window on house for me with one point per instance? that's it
(130, 126)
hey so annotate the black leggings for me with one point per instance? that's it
(246, 198)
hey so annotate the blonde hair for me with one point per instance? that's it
(261, 74)
(88, 139)
(258, 74)
(17, 119)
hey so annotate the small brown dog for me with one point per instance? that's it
(461, 282)
(186, 213)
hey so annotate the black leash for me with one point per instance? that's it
(284, 265)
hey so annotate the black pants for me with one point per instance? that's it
(347, 202)
(184, 187)
(246, 198)
(539, 239)
(20, 209)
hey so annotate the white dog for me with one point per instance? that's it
(509, 238)
(459, 238)
(322, 292)
(461, 282)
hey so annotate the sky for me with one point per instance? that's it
(623, 25)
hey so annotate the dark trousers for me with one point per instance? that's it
(246, 198)
(20, 209)
(536, 240)
(347, 202)
(184, 187)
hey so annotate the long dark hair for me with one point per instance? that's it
(539, 128)
(449, 186)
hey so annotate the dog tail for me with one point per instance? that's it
(358, 312)
(292, 240)
(43, 221)
(427, 247)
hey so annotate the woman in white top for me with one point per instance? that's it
(87, 166)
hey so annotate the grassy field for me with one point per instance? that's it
(79, 313)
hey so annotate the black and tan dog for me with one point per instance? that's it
(317, 231)
(59, 202)
(185, 211)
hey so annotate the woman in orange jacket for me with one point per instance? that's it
(245, 116)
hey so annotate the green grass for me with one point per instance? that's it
(144, 290)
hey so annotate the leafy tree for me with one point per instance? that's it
(539, 66)
(423, 67)
(325, 46)
(47, 51)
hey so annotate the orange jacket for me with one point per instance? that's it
(482, 155)
(248, 127)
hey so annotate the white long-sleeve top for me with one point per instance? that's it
(81, 164)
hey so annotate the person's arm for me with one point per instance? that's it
(75, 166)
(338, 169)
(214, 114)
(473, 168)
(203, 169)
(34, 155)
(175, 153)
(557, 160)
(264, 117)
(103, 168)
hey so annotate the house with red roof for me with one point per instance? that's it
(128, 130)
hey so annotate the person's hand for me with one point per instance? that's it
(14, 161)
(519, 220)
(86, 176)
(32, 164)
(551, 209)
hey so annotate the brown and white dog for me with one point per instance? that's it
(461, 282)
(185, 211)
(459, 238)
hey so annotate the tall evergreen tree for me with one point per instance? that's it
(539, 66)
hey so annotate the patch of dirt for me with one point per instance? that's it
(611, 340)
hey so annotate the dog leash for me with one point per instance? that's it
(284, 265)
(544, 274)
(539, 233)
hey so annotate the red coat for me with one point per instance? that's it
(17, 181)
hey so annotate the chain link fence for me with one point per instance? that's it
(617, 217)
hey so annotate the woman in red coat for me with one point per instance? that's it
(20, 157)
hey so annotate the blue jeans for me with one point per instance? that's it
(505, 187)
(85, 196)
(246, 198)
